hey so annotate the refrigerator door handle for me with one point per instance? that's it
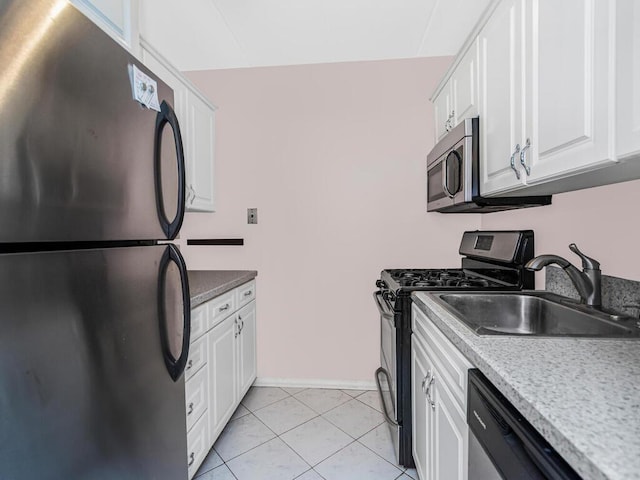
(165, 116)
(175, 367)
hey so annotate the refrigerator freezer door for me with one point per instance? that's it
(84, 388)
(80, 159)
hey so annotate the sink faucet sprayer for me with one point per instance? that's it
(587, 282)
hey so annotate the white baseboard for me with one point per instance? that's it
(315, 383)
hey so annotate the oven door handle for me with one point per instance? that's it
(385, 312)
(384, 405)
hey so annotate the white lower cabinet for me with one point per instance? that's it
(246, 348)
(224, 354)
(438, 390)
(198, 444)
(223, 347)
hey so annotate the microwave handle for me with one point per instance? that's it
(445, 186)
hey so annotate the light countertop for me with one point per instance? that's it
(207, 284)
(582, 395)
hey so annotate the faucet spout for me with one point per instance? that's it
(543, 260)
(587, 282)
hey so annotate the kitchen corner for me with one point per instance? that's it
(580, 394)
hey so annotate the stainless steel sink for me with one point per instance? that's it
(535, 314)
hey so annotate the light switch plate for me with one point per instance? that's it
(252, 215)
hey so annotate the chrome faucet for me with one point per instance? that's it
(587, 282)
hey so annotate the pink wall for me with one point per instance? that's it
(604, 222)
(333, 156)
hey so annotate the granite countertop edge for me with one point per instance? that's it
(207, 284)
(504, 361)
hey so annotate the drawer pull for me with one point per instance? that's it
(190, 409)
(189, 364)
(224, 307)
(192, 458)
(248, 293)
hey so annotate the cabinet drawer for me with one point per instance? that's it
(453, 364)
(221, 307)
(196, 389)
(197, 444)
(246, 293)
(199, 321)
(197, 357)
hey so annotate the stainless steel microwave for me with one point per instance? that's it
(453, 176)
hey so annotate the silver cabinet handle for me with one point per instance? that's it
(192, 458)
(191, 194)
(426, 380)
(523, 157)
(428, 392)
(190, 409)
(424, 384)
(224, 307)
(189, 364)
(237, 331)
(513, 161)
(248, 293)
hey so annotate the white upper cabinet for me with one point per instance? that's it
(197, 122)
(442, 107)
(199, 153)
(464, 86)
(119, 18)
(501, 99)
(567, 84)
(558, 97)
(458, 98)
(628, 78)
(545, 94)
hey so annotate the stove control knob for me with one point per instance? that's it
(391, 296)
(381, 284)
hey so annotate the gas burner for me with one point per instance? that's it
(427, 283)
(472, 283)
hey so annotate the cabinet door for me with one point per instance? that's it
(501, 99)
(464, 86)
(567, 80)
(628, 78)
(246, 348)
(199, 154)
(442, 106)
(159, 66)
(222, 367)
(421, 419)
(450, 434)
(118, 18)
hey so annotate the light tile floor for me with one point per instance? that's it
(305, 434)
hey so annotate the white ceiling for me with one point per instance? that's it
(212, 34)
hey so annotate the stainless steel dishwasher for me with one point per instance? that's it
(502, 443)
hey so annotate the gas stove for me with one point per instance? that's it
(438, 278)
(492, 260)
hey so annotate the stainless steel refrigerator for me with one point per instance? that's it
(94, 302)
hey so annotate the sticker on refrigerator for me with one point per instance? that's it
(144, 88)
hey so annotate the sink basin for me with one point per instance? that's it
(535, 314)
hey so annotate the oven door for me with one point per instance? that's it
(386, 380)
